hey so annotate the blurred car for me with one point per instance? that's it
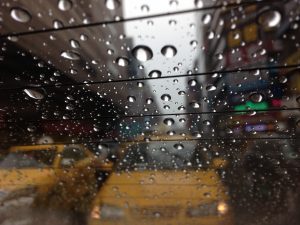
(163, 183)
(51, 176)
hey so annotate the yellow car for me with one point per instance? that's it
(163, 183)
(54, 175)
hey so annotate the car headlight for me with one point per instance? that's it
(210, 209)
(222, 208)
(107, 212)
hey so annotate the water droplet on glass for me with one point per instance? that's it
(31, 128)
(64, 5)
(270, 19)
(154, 74)
(195, 105)
(219, 56)
(207, 122)
(172, 22)
(74, 43)
(140, 84)
(149, 101)
(181, 108)
(211, 87)
(199, 3)
(35, 94)
(83, 37)
(169, 51)
(283, 79)
(57, 24)
(194, 43)
(169, 121)
(256, 97)
(145, 8)
(211, 35)
(142, 53)
(20, 15)
(178, 146)
(122, 61)
(192, 83)
(112, 4)
(166, 97)
(206, 19)
(197, 134)
(298, 99)
(71, 55)
(131, 99)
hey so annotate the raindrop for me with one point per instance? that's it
(35, 94)
(194, 43)
(171, 132)
(256, 97)
(20, 15)
(228, 131)
(211, 87)
(169, 51)
(69, 107)
(192, 83)
(74, 43)
(181, 93)
(145, 8)
(149, 101)
(31, 128)
(166, 97)
(195, 105)
(178, 146)
(197, 134)
(131, 99)
(140, 84)
(270, 19)
(199, 3)
(182, 120)
(142, 53)
(166, 107)
(298, 123)
(181, 108)
(298, 99)
(57, 24)
(172, 22)
(71, 55)
(283, 79)
(211, 35)
(207, 122)
(169, 121)
(83, 37)
(112, 4)
(206, 19)
(154, 74)
(110, 51)
(219, 56)
(64, 5)
(122, 61)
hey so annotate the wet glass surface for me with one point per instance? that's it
(139, 112)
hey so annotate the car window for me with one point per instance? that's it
(188, 110)
(71, 155)
(28, 159)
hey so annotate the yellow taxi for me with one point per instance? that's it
(164, 182)
(57, 175)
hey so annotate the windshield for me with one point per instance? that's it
(28, 159)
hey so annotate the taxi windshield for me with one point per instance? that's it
(28, 159)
